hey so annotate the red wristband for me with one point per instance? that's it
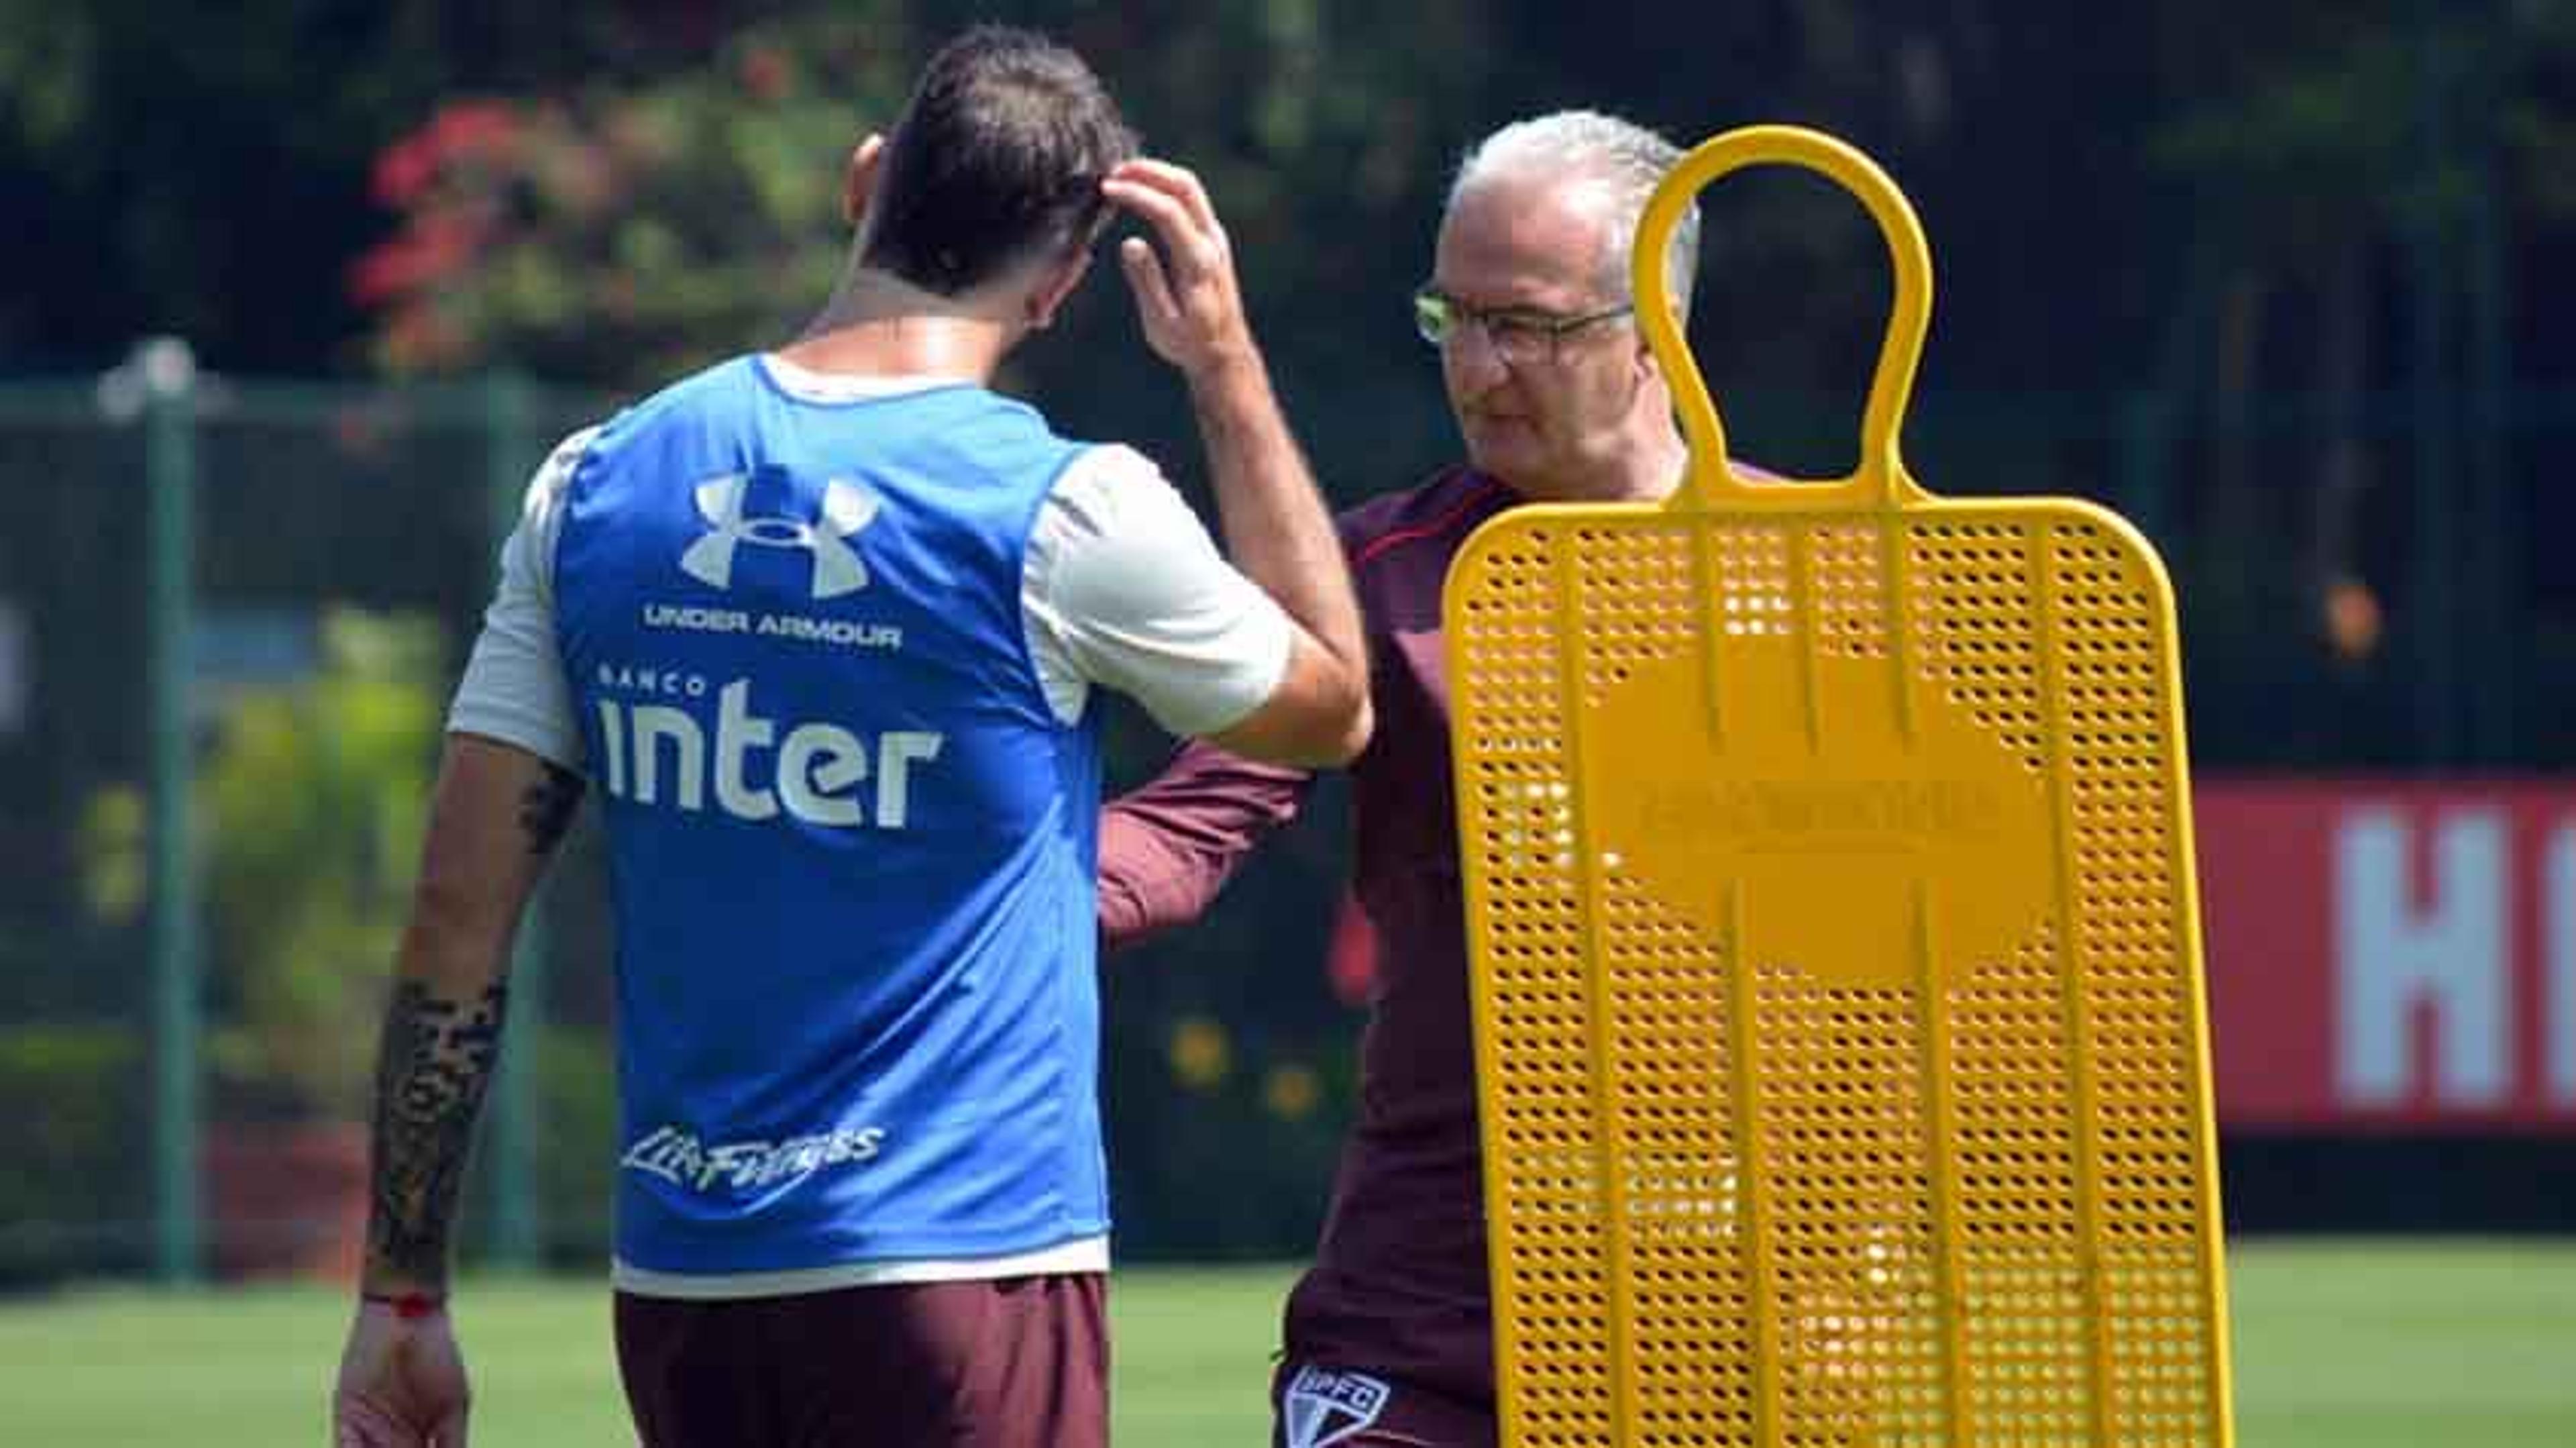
(409, 1306)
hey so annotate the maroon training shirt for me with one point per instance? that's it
(1398, 1287)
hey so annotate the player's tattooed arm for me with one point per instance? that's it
(437, 1060)
(494, 825)
(547, 807)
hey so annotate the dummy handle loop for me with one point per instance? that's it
(1880, 480)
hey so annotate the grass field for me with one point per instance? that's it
(2342, 1345)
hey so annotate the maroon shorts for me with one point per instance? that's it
(1017, 1363)
(1314, 1407)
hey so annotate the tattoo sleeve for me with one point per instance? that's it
(437, 1059)
(546, 809)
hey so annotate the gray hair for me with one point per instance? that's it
(1621, 157)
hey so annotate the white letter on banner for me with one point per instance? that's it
(2452, 956)
(2558, 927)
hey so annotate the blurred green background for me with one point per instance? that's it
(302, 290)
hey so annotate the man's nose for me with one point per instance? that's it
(1473, 358)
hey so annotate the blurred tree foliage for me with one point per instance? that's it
(2174, 195)
(310, 803)
(2226, 247)
(202, 169)
(621, 233)
(2218, 221)
(314, 799)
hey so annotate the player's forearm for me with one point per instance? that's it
(435, 1061)
(496, 818)
(1275, 526)
(434, 1067)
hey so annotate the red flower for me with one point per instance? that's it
(460, 133)
(434, 246)
(404, 170)
(420, 338)
(483, 130)
(765, 73)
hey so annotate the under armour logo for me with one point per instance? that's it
(847, 508)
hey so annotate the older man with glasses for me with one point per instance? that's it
(1389, 1335)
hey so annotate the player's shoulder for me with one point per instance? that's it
(554, 476)
(1434, 514)
(724, 384)
(1106, 489)
(685, 401)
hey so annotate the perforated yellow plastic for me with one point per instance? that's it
(1842, 1053)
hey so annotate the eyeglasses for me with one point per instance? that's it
(1521, 335)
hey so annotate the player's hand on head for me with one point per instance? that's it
(1186, 294)
(402, 1384)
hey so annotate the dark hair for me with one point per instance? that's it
(997, 157)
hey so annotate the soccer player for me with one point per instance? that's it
(824, 625)
(1389, 1335)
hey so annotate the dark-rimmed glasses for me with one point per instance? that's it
(1521, 335)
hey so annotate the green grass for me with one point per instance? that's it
(2341, 1345)
(2404, 1345)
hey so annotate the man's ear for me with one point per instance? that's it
(859, 182)
(1059, 284)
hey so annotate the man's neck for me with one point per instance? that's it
(1645, 473)
(1658, 468)
(876, 325)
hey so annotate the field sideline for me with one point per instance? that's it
(2468, 1344)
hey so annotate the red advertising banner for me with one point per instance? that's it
(2391, 956)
